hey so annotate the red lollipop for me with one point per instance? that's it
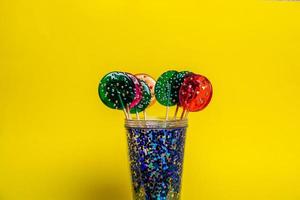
(137, 89)
(195, 92)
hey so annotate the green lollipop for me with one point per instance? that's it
(177, 80)
(116, 90)
(163, 88)
(145, 101)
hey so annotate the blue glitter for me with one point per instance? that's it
(156, 159)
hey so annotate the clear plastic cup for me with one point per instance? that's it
(156, 151)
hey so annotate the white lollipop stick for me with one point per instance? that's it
(186, 114)
(182, 114)
(168, 107)
(128, 111)
(176, 111)
(124, 110)
(167, 112)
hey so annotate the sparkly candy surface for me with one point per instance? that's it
(145, 101)
(176, 84)
(156, 159)
(151, 84)
(163, 87)
(195, 92)
(137, 90)
(116, 90)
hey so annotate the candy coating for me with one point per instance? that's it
(151, 84)
(163, 92)
(145, 101)
(195, 92)
(137, 90)
(176, 84)
(116, 90)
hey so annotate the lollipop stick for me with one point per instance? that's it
(176, 111)
(137, 115)
(167, 112)
(125, 113)
(169, 94)
(182, 114)
(123, 107)
(128, 111)
(145, 115)
(186, 114)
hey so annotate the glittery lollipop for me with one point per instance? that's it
(116, 90)
(195, 93)
(163, 90)
(151, 84)
(145, 101)
(137, 90)
(176, 84)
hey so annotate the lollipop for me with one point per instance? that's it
(137, 89)
(145, 101)
(176, 84)
(195, 93)
(116, 90)
(163, 88)
(163, 91)
(151, 84)
(133, 94)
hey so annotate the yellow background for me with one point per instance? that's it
(59, 142)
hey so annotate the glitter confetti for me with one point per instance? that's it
(156, 159)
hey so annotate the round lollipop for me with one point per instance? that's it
(116, 90)
(176, 84)
(151, 84)
(195, 92)
(163, 88)
(137, 89)
(145, 101)
(163, 91)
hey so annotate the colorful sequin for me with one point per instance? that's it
(156, 159)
